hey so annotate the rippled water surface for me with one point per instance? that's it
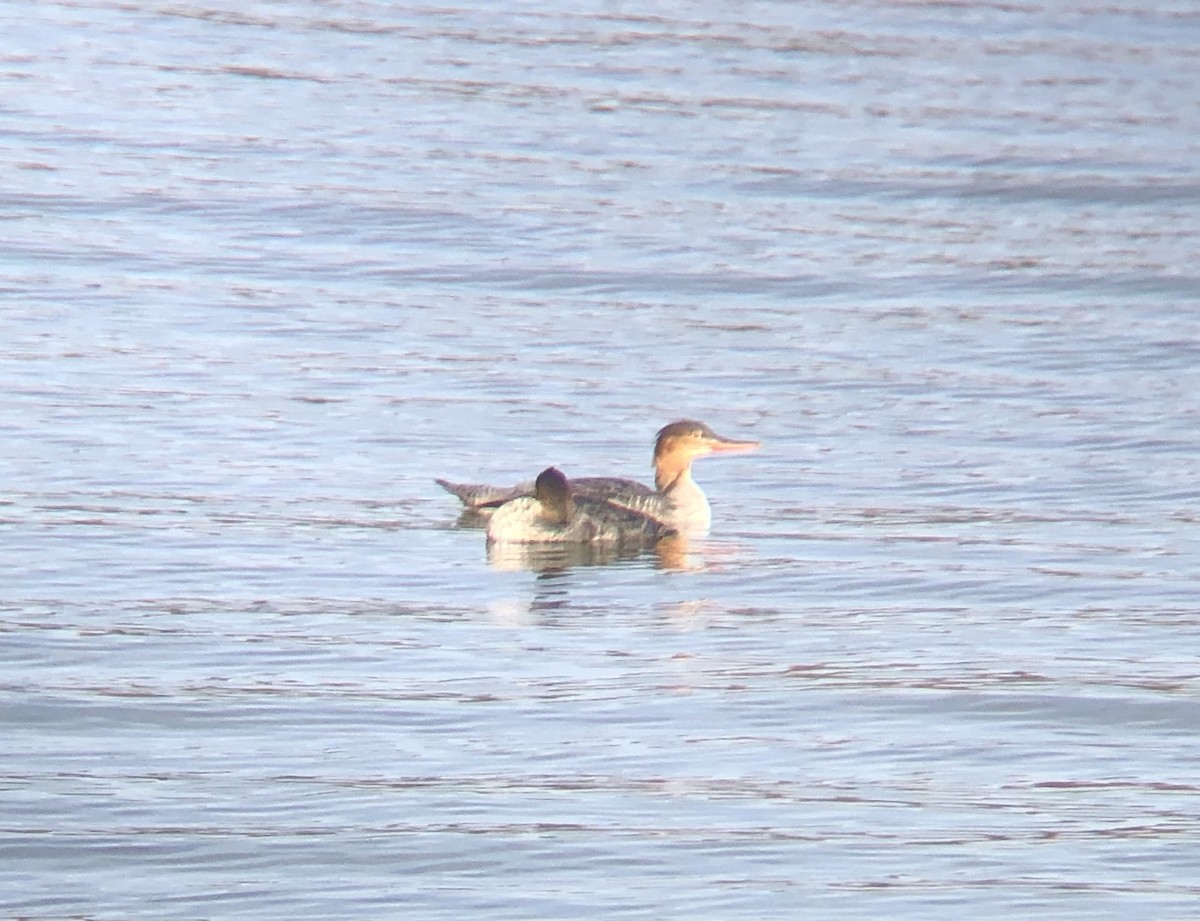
(267, 269)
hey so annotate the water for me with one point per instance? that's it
(267, 269)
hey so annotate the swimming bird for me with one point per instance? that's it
(676, 499)
(553, 514)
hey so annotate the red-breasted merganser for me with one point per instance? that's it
(676, 500)
(553, 514)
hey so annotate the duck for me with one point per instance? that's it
(676, 499)
(554, 514)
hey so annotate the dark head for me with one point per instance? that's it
(553, 492)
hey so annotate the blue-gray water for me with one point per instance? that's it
(266, 269)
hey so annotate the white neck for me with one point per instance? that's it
(690, 506)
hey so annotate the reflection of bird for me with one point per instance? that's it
(676, 499)
(554, 515)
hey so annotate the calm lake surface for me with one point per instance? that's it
(267, 269)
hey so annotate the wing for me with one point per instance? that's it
(651, 505)
(607, 487)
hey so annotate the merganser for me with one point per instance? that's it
(676, 500)
(553, 514)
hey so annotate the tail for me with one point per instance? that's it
(481, 495)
